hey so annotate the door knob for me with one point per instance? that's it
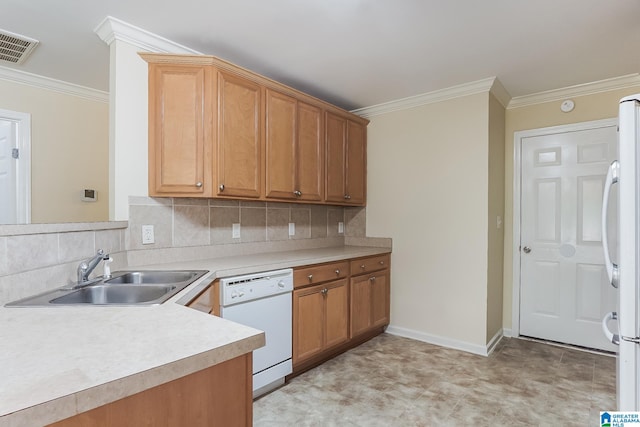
(526, 249)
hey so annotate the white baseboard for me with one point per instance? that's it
(507, 332)
(447, 342)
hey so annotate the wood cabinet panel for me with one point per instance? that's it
(320, 273)
(217, 396)
(336, 138)
(239, 141)
(310, 153)
(180, 130)
(367, 265)
(380, 299)
(356, 163)
(280, 145)
(308, 325)
(208, 301)
(360, 305)
(336, 314)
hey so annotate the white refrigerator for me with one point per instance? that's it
(625, 274)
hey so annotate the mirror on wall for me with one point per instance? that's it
(54, 155)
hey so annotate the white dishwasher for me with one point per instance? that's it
(263, 301)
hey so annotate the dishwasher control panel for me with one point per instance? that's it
(238, 289)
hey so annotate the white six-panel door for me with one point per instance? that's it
(564, 291)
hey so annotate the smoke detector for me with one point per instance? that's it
(15, 48)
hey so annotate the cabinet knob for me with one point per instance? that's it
(347, 197)
(381, 262)
(297, 193)
(363, 266)
(221, 187)
(198, 184)
(324, 291)
(372, 279)
(337, 272)
(310, 277)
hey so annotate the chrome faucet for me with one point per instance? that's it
(87, 266)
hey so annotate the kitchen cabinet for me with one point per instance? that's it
(208, 301)
(180, 130)
(239, 143)
(217, 130)
(217, 396)
(320, 312)
(345, 161)
(369, 287)
(294, 149)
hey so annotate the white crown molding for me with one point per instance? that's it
(111, 29)
(459, 91)
(501, 94)
(22, 77)
(614, 83)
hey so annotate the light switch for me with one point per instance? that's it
(292, 229)
(340, 227)
(235, 230)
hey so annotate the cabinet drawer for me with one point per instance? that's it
(320, 273)
(367, 265)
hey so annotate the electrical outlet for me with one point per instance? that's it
(147, 235)
(235, 230)
(292, 229)
(340, 227)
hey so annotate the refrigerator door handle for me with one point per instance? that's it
(612, 178)
(614, 338)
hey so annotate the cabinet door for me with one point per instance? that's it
(239, 139)
(310, 153)
(360, 305)
(336, 313)
(280, 145)
(380, 299)
(356, 170)
(308, 322)
(336, 137)
(179, 130)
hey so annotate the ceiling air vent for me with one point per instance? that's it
(15, 48)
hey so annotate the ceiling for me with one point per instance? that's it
(354, 53)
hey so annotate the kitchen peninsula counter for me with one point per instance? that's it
(60, 361)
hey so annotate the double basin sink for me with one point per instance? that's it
(145, 287)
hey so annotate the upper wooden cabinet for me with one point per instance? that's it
(239, 154)
(294, 149)
(346, 161)
(180, 130)
(218, 130)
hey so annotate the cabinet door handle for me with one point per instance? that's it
(198, 184)
(297, 193)
(337, 272)
(221, 187)
(310, 277)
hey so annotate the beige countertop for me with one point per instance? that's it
(59, 361)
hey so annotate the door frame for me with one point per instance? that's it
(517, 194)
(23, 173)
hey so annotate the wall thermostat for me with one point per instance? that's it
(567, 105)
(89, 195)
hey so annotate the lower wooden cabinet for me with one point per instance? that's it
(217, 396)
(369, 302)
(320, 319)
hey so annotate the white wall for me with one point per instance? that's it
(427, 189)
(69, 137)
(128, 142)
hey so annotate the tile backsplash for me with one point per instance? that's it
(38, 257)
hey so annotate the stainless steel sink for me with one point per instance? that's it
(152, 277)
(140, 287)
(115, 294)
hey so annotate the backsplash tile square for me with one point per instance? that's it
(334, 215)
(277, 224)
(74, 246)
(355, 222)
(4, 268)
(302, 219)
(31, 251)
(222, 219)
(109, 240)
(318, 221)
(191, 225)
(253, 224)
(160, 216)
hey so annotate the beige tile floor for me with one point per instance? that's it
(394, 381)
